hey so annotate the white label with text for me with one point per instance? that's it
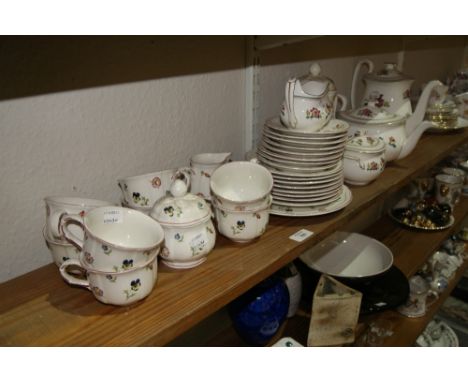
(301, 235)
(114, 216)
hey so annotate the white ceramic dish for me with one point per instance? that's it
(294, 202)
(312, 149)
(311, 159)
(344, 199)
(307, 184)
(311, 164)
(437, 334)
(350, 255)
(307, 170)
(332, 128)
(300, 155)
(308, 196)
(316, 175)
(304, 141)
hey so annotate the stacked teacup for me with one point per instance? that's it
(241, 198)
(118, 251)
(56, 207)
(141, 192)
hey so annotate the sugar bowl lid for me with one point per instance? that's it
(182, 208)
(314, 84)
(365, 144)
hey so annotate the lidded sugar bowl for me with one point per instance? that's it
(310, 101)
(189, 233)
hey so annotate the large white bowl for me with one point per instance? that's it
(241, 183)
(351, 255)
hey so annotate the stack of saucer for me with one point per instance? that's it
(307, 167)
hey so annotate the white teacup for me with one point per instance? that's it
(58, 205)
(202, 167)
(448, 189)
(241, 186)
(116, 288)
(60, 252)
(141, 192)
(115, 238)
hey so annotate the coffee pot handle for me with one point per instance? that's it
(289, 101)
(370, 65)
(64, 221)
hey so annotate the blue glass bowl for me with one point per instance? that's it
(258, 314)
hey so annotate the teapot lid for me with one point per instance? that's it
(372, 115)
(389, 73)
(315, 85)
(182, 208)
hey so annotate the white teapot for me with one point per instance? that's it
(310, 101)
(387, 90)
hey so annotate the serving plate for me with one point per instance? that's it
(303, 155)
(343, 200)
(310, 149)
(312, 161)
(306, 170)
(462, 123)
(439, 228)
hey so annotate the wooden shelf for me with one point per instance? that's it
(39, 309)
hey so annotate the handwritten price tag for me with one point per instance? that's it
(113, 217)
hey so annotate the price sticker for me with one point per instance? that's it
(198, 241)
(301, 235)
(113, 216)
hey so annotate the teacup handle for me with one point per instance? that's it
(65, 221)
(71, 279)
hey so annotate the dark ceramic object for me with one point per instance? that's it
(258, 314)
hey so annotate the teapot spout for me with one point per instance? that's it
(412, 139)
(414, 121)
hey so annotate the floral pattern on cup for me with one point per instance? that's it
(88, 258)
(106, 249)
(179, 237)
(313, 113)
(141, 200)
(97, 291)
(165, 252)
(111, 278)
(156, 182)
(197, 249)
(240, 226)
(134, 286)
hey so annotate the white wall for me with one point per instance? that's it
(77, 143)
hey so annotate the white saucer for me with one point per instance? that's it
(319, 152)
(306, 176)
(332, 128)
(294, 170)
(344, 199)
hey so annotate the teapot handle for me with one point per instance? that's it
(289, 100)
(370, 65)
(340, 99)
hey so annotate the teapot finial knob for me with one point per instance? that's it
(315, 69)
(178, 188)
(389, 66)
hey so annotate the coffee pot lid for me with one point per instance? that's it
(389, 73)
(314, 84)
(182, 208)
(365, 144)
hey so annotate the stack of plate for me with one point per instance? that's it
(307, 168)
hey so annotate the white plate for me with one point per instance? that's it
(307, 187)
(295, 169)
(300, 155)
(311, 160)
(333, 127)
(327, 140)
(312, 148)
(295, 202)
(345, 198)
(306, 197)
(318, 175)
(305, 183)
(437, 334)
